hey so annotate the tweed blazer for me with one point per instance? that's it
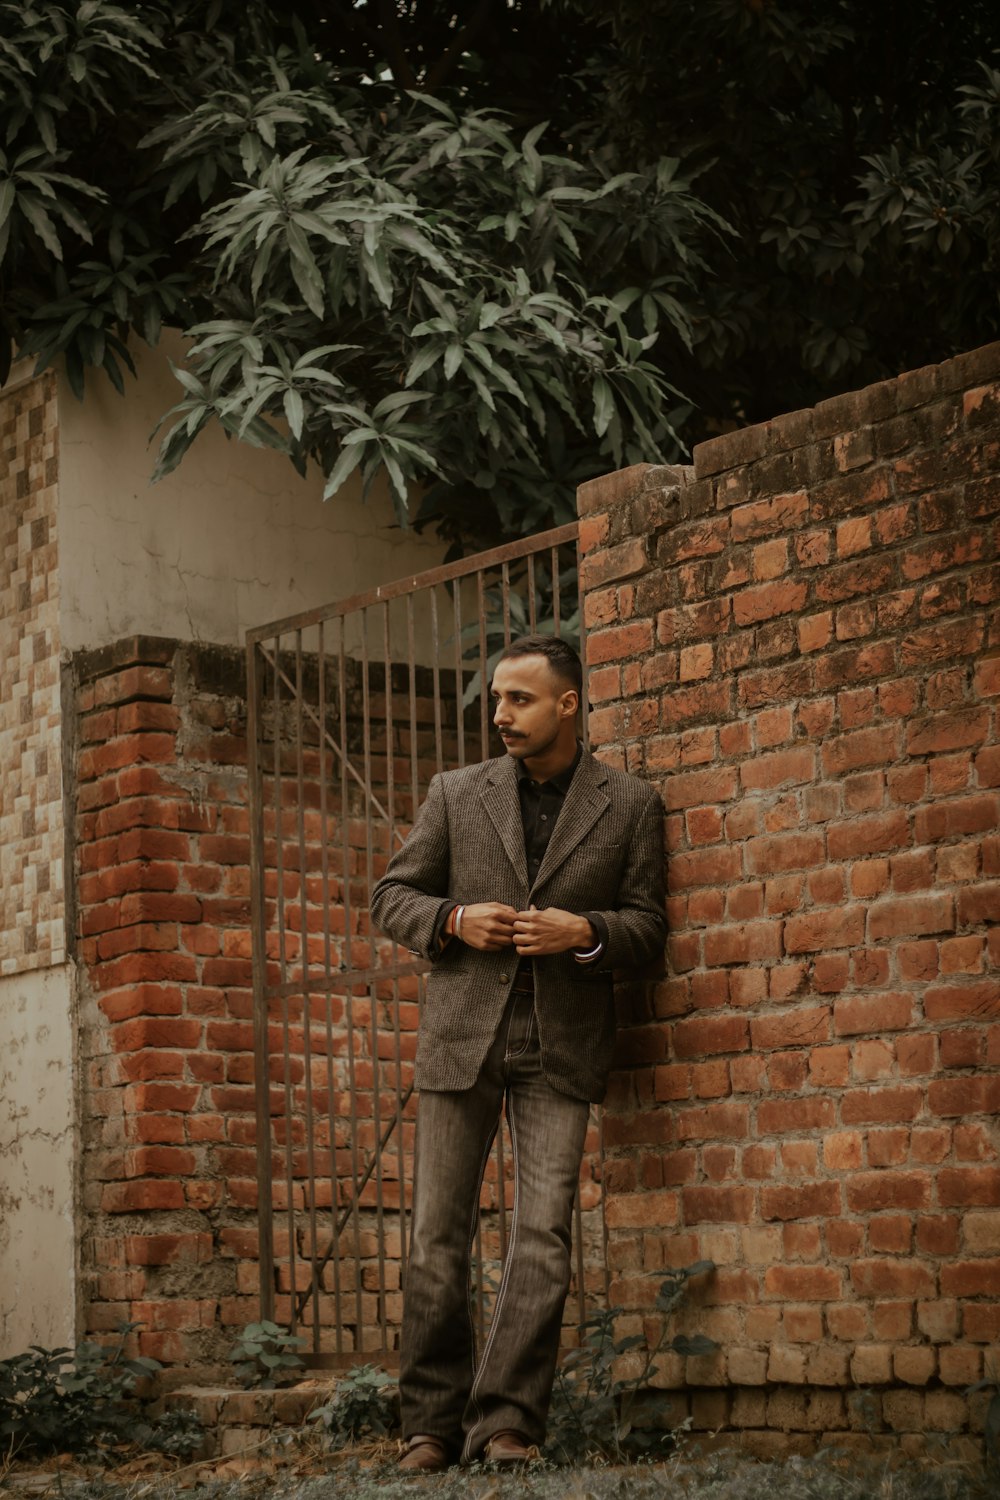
(605, 855)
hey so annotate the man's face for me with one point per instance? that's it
(532, 707)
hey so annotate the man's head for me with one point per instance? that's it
(536, 692)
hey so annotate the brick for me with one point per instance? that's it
(613, 563)
(803, 1283)
(887, 1277)
(767, 601)
(800, 1026)
(742, 943)
(818, 931)
(969, 1187)
(860, 836)
(860, 749)
(973, 1000)
(858, 1015)
(765, 517)
(911, 916)
(777, 768)
(972, 1278)
(782, 852)
(699, 1035)
(964, 1095)
(618, 643)
(885, 1105)
(808, 1201)
(138, 1196)
(942, 732)
(874, 1192)
(717, 1205)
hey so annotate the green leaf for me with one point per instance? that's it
(604, 405)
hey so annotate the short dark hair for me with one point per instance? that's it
(559, 654)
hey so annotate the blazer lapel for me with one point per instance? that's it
(586, 801)
(503, 807)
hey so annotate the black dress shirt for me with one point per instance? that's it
(541, 804)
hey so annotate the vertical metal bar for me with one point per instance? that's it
(555, 591)
(436, 677)
(459, 681)
(505, 596)
(331, 1118)
(411, 660)
(411, 665)
(279, 835)
(390, 802)
(581, 1281)
(582, 636)
(376, 1096)
(484, 686)
(349, 994)
(604, 1218)
(531, 593)
(262, 1078)
(310, 1118)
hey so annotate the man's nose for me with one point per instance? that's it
(501, 714)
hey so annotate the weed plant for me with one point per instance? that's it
(265, 1354)
(362, 1407)
(74, 1401)
(592, 1409)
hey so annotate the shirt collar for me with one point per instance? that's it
(559, 783)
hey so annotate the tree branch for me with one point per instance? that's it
(393, 42)
(436, 75)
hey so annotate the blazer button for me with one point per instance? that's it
(504, 978)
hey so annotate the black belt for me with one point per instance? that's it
(524, 981)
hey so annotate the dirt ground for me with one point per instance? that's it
(296, 1471)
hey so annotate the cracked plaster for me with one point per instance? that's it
(37, 1138)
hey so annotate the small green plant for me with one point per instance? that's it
(75, 1400)
(265, 1353)
(363, 1406)
(592, 1410)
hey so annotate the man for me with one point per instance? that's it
(526, 880)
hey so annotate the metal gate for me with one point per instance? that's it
(352, 710)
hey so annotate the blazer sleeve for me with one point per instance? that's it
(637, 926)
(406, 901)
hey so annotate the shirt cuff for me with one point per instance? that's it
(592, 955)
(443, 913)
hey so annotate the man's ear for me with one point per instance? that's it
(569, 703)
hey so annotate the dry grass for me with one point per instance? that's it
(302, 1471)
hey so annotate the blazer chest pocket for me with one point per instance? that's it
(594, 870)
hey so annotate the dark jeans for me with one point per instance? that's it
(445, 1391)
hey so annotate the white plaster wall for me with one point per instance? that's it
(37, 1114)
(232, 539)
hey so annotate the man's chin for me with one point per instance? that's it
(518, 748)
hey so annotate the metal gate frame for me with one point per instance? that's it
(287, 666)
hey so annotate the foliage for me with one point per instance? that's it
(592, 1408)
(64, 1400)
(265, 1353)
(362, 1407)
(482, 253)
(991, 1422)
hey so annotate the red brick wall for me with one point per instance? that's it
(162, 912)
(162, 892)
(798, 642)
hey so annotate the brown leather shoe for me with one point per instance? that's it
(509, 1448)
(424, 1454)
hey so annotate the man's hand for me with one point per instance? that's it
(486, 925)
(549, 931)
